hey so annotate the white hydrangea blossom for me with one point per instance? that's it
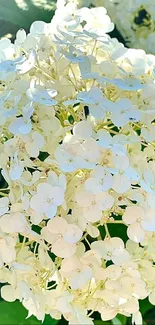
(77, 154)
(134, 20)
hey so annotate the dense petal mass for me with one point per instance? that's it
(77, 167)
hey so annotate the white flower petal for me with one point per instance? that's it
(62, 249)
(133, 214)
(151, 200)
(82, 130)
(104, 200)
(72, 234)
(84, 199)
(9, 293)
(152, 297)
(57, 225)
(92, 213)
(136, 233)
(120, 256)
(93, 231)
(121, 183)
(148, 223)
(81, 278)
(108, 313)
(121, 162)
(4, 201)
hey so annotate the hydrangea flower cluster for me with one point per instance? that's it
(77, 154)
(138, 28)
(134, 19)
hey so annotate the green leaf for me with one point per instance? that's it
(62, 321)
(13, 313)
(116, 34)
(71, 119)
(100, 322)
(21, 14)
(50, 321)
(119, 320)
(149, 317)
(118, 230)
(144, 323)
(116, 321)
(43, 155)
(115, 230)
(145, 306)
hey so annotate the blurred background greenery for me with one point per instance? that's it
(16, 14)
